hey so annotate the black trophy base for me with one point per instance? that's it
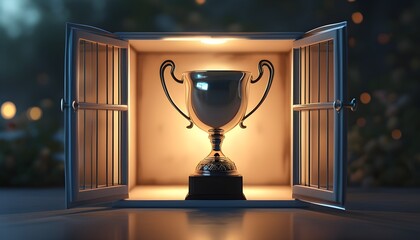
(215, 188)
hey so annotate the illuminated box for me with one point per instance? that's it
(125, 143)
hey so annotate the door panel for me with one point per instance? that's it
(95, 108)
(319, 126)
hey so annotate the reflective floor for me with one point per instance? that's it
(39, 214)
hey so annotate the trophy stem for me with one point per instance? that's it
(216, 163)
(216, 137)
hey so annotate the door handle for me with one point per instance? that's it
(352, 105)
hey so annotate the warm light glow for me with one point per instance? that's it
(200, 2)
(396, 134)
(178, 192)
(159, 192)
(361, 122)
(171, 146)
(202, 39)
(34, 113)
(268, 192)
(182, 38)
(351, 1)
(8, 110)
(357, 17)
(214, 41)
(365, 98)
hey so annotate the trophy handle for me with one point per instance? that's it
(165, 64)
(270, 67)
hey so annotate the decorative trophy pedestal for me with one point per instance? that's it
(215, 176)
(216, 103)
(215, 188)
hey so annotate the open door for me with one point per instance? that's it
(319, 121)
(95, 116)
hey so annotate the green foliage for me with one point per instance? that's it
(384, 133)
(31, 157)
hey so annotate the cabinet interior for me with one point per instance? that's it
(163, 152)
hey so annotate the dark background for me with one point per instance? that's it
(383, 64)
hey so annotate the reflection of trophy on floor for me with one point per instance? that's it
(216, 103)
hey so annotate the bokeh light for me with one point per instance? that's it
(365, 98)
(396, 134)
(34, 113)
(352, 42)
(8, 110)
(200, 2)
(361, 122)
(17, 17)
(357, 17)
(47, 103)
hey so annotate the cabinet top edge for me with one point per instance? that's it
(245, 35)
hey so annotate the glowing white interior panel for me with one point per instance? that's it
(206, 44)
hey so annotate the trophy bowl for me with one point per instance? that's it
(216, 101)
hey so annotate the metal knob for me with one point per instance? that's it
(338, 105)
(62, 105)
(352, 105)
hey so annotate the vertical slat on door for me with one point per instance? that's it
(308, 120)
(116, 128)
(322, 127)
(90, 121)
(327, 99)
(302, 125)
(96, 136)
(319, 117)
(313, 117)
(82, 116)
(119, 118)
(113, 115)
(101, 116)
(331, 112)
(106, 115)
(303, 121)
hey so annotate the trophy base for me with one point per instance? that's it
(215, 188)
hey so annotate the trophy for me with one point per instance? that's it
(216, 101)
